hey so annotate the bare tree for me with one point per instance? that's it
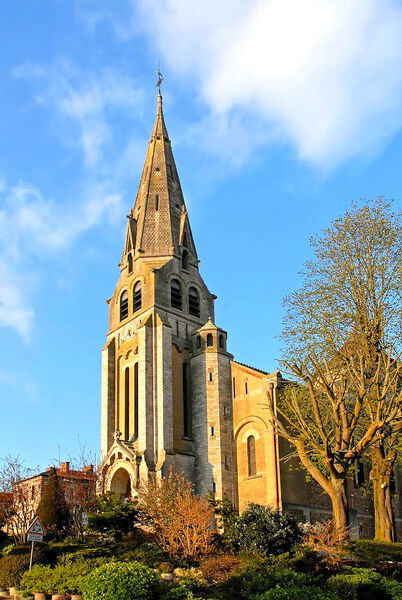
(342, 332)
(15, 497)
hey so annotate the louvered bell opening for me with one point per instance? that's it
(175, 294)
(193, 302)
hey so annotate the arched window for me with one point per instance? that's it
(198, 342)
(251, 461)
(137, 297)
(210, 341)
(184, 260)
(175, 294)
(124, 305)
(221, 341)
(130, 263)
(193, 302)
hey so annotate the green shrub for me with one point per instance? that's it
(147, 554)
(63, 579)
(112, 516)
(263, 530)
(121, 581)
(52, 509)
(13, 564)
(296, 593)
(359, 584)
(177, 593)
(252, 581)
(371, 551)
(37, 580)
(307, 560)
(11, 570)
(7, 549)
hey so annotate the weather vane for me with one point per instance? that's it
(160, 79)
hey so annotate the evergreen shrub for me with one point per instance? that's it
(148, 554)
(362, 584)
(63, 579)
(122, 581)
(52, 509)
(263, 530)
(111, 516)
(296, 593)
(16, 562)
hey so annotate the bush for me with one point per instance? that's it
(296, 593)
(254, 581)
(112, 516)
(190, 579)
(359, 584)
(147, 554)
(16, 562)
(307, 560)
(11, 570)
(37, 580)
(181, 520)
(63, 579)
(372, 552)
(218, 568)
(121, 581)
(263, 530)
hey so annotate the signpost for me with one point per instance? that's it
(35, 533)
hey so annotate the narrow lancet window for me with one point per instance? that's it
(186, 403)
(136, 400)
(176, 300)
(193, 302)
(210, 341)
(124, 305)
(251, 458)
(156, 202)
(130, 263)
(127, 403)
(184, 260)
(137, 296)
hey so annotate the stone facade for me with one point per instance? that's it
(173, 397)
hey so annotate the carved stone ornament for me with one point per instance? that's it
(128, 332)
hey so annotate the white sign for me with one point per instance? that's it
(35, 537)
(35, 531)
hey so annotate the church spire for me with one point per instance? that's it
(158, 223)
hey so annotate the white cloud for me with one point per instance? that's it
(35, 229)
(323, 75)
(32, 227)
(82, 102)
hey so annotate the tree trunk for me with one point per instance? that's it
(339, 501)
(383, 512)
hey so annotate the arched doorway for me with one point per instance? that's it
(121, 483)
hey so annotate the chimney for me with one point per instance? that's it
(65, 467)
(88, 469)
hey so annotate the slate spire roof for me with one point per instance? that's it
(158, 224)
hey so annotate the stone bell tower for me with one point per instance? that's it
(157, 398)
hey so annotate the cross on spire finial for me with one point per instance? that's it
(160, 79)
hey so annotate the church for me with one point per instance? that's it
(173, 397)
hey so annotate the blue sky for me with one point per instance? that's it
(281, 113)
